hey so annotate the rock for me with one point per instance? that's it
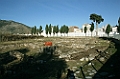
(92, 47)
(77, 72)
(91, 58)
(89, 64)
(91, 73)
(94, 71)
(74, 52)
(16, 54)
(86, 48)
(41, 50)
(88, 77)
(102, 59)
(66, 60)
(59, 51)
(63, 56)
(25, 45)
(86, 59)
(74, 67)
(82, 59)
(82, 46)
(88, 70)
(32, 45)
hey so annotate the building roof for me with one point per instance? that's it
(74, 27)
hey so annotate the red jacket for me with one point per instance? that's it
(48, 44)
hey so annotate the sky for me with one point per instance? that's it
(59, 12)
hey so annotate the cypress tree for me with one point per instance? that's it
(46, 29)
(50, 29)
(85, 30)
(108, 29)
(92, 28)
(40, 30)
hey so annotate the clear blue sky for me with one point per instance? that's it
(59, 12)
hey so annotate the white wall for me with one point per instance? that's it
(75, 34)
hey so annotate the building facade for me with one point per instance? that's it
(76, 31)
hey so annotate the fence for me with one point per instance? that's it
(95, 69)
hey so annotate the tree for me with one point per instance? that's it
(92, 28)
(119, 21)
(50, 29)
(85, 30)
(57, 29)
(40, 30)
(54, 29)
(61, 30)
(97, 19)
(66, 29)
(118, 27)
(32, 30)
(108, 29)
(35, 30)
(46, 29)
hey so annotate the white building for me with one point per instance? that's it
(88, 27)
(75, 31)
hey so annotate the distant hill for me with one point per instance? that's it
(13, 27)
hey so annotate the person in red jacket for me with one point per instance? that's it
(48, 44)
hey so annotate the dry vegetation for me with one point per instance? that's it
(71, 50)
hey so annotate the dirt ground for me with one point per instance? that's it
(70, 49)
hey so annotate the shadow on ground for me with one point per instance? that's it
(5, 58)
(44, 65)
(111, 69)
